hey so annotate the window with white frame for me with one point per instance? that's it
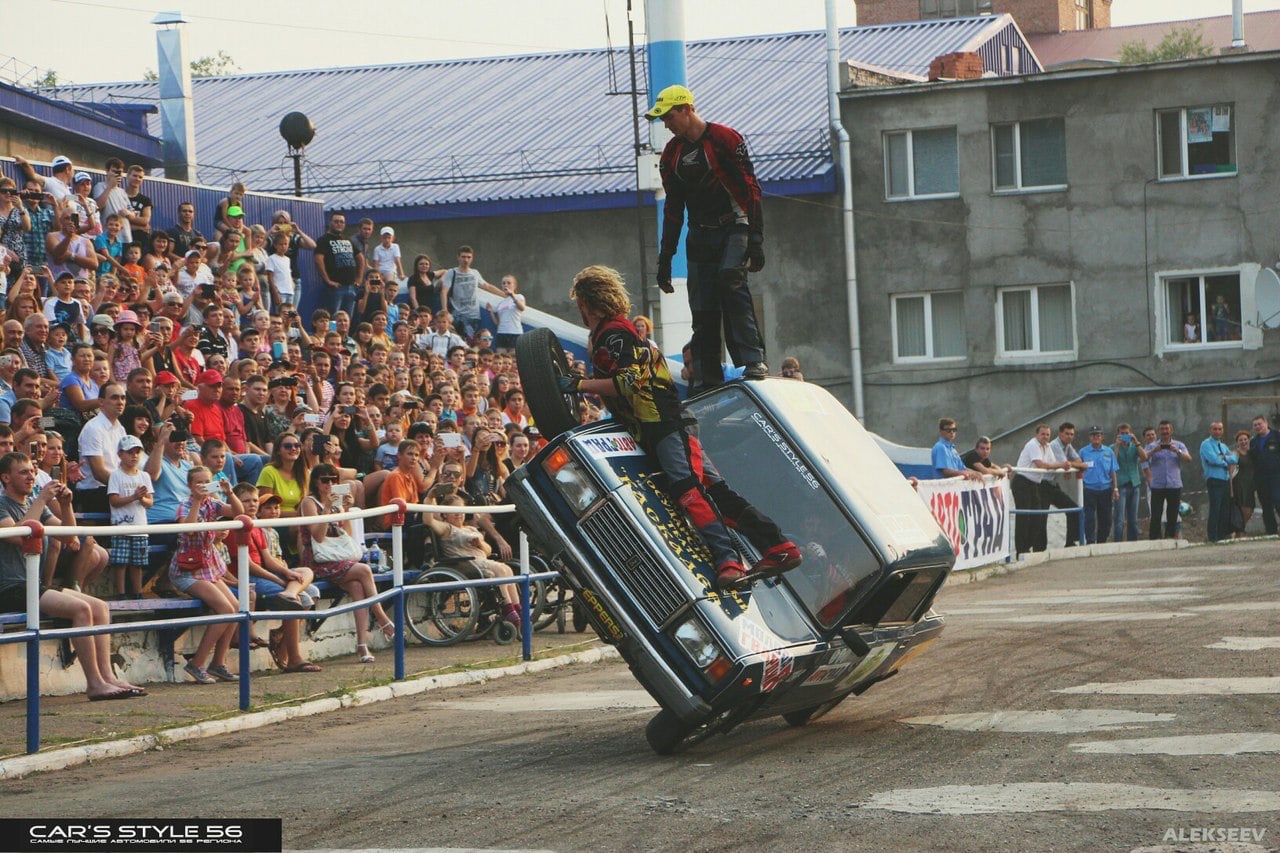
(921, 163)
(1202, 310)
(1029, 155)
(1036, 320)
(928, 326)
(953, 8)
(1196, 141)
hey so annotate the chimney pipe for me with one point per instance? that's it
(177, 121)
(1237, 24)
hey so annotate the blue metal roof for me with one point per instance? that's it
(546, 128)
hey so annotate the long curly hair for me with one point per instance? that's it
(602, 290)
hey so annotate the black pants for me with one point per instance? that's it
(1029, 531)
(1058, 499)
(1164, 501)
(719, 295)
(1266, 488)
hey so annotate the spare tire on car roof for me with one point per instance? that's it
(540, 359)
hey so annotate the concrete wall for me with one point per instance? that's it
(1110, 233)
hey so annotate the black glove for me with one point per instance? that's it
(568, 384)
(755, 257)
(664, 274)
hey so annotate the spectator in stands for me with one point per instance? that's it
(979, 458)
(1264, 451)
(945, 457)
(15, 224)
(43, 216)
(1166, 456)
(298, 240)
(112, 200)
(139, 204)
(258, 433)
(168, 470)
(506, 314)
(1101, 486)
(188, 361)
(425, 288)
(98, 442)
(130, 493)
(459, 541)
(26, 385)
(362, 239)
(197, 569)
(461, 284)
(520, 450)
(126, 356)
(18, 505)
(441, 340)
(340, 265)
(1129, 456)
(68, 250)
(279, 271)
(56, 185)
(385, 256)
(248, 463)
(285, 475)
(183, 233)
(353, 576)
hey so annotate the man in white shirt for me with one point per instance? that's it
(57, 185)
(1054, 496)
(112, 198)
(1030, 531)
(98, 455)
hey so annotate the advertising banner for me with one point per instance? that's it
(974, 515)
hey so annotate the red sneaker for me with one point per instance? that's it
(730, 574)
(782, 557)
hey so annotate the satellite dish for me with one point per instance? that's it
(297, 130)
(1267, 297)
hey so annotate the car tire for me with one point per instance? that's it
(666, 733)
(801, 717)
(541, 361)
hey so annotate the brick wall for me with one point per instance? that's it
(1033, 16)
(956, 66)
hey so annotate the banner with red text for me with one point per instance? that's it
(974, 515)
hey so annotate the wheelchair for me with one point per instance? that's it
(446, 617)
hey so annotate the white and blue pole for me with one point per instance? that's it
(664, 21)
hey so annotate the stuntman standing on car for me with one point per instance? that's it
(706, 170)
(642, 397)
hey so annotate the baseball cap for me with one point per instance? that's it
(60, 161)
(235, 210)
(672, 96)
(82, 176)
(263, 500)
(164, 377)
(1096, 430)
(129, 442)
(387, 229)
(209, 377)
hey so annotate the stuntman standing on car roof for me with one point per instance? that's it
(642, 396)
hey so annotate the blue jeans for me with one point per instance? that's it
(1126, 524)
(1097, 515)
(247, 466)
(347, 300)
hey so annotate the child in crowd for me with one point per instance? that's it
(131, 269)
(385, 458)
(63, 308)
(386, 255)
(56, 355)
(642, 396)
(109, 245)
(130, 494)
(284, 642)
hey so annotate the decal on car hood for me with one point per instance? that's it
(604, 446)
(777, 662)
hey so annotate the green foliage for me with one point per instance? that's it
(1179, 43)
(219, 65)
(47, 80)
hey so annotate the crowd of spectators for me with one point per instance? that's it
(151, 374)
(1127, 472)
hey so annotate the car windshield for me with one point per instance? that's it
(763, 465)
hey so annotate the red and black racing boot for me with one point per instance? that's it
(782, 557)
(730, 574)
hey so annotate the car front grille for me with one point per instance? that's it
(634, 564)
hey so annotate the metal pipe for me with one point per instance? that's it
(1237, 23)
(845, 160)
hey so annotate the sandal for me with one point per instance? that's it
(388, 630)
(365, 657)
(306, 667)
(275, 639)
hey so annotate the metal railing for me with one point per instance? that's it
(33, 533)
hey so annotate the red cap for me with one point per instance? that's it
(164, 377)
(209, 377)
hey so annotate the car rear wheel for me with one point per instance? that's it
(541, 360)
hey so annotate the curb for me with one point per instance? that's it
(1076, 552)
(60, 759)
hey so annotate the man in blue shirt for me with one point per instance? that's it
(946, 459)
(1101, 487)
(1166, 457)
(1216, 460)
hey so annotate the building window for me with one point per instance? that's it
(1084, 14)
(921, 163)
(1202, 310)
(1196, 141)
(953, 8)
(1038, 320)
(1029, 154)
(928, 326)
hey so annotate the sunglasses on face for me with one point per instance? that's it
(326, 480)
(291, 445)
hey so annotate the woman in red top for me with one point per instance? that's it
(188, 360)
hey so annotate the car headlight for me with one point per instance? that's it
(573, 483)
(702, 649)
